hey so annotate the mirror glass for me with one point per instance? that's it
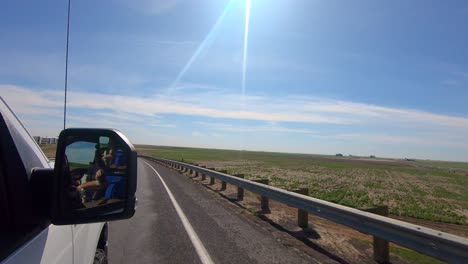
(95, 168)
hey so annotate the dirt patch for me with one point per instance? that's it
(459, 230)
(401, 187)
(338, 243)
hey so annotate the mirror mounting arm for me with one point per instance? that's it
(41, 189)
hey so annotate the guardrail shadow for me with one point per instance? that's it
(374, 221)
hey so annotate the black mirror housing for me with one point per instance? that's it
(90, 185)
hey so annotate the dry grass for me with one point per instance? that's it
(49, 150)
(408, 188)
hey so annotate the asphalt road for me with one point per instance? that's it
(192, 226)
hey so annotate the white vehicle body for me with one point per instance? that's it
(60, 244)
(48, 243)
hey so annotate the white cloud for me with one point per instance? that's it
(361, 112)
(154, 7)
(253, 129)
(216, 135)
(259, 67)
(103, 76)
(146, 119)
(163, 125)
(434, 140)
(218, 104)
(196, 134)
(44, 68)
(451, 82)
(172, 42)
(388, 138)
(119, 115)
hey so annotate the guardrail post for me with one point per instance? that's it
(240, 191)
(264, 201)
(223, 183)
(302, 216)
(203, 176)
(381, 246)
(212, 179)
(196, 172)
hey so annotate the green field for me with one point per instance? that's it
(49, 150)
(444, 164)
(428, 191)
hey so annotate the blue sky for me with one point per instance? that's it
(353, 77)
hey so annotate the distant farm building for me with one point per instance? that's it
(45, 140)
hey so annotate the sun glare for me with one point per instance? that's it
(209, 37)
(246, 37)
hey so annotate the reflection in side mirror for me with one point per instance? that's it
(95, 177)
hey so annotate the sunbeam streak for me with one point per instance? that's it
(209, 37)
(246, 35)
(244, 63)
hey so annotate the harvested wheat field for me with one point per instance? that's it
(434, 191)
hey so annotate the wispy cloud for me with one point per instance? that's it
(196, 134)
(217, 104)
(35, 67)
(217, 135)
(450, 74)
(253, 129)
(163, 125)
(386, 138)
(105, 77)
(360, 112)
(216, 116)
(432, 139)
(451, 82)
(153, 7)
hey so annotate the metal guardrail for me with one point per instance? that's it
(438, 244)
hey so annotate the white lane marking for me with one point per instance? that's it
(201, 250)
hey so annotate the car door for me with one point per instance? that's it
(53, 244)
(26, 234)
(85, 240)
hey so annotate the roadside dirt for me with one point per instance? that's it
(337, 243)
(459, 230)
(398, 184)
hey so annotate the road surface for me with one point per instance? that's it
(179, 221)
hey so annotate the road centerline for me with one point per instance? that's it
(199, 247)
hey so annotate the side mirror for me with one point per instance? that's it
(95, 177)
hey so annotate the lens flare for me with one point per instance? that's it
(246, 37)
(244, 68)
(206, 41)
